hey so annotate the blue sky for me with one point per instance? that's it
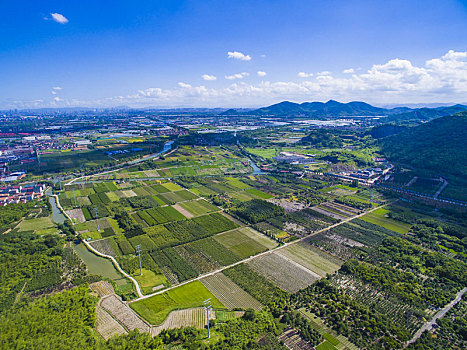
(176, 53)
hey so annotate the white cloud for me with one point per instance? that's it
(55, 90)
(184, 85)
(261, 73)
(237, 76)
(348, 71)
(304, 75)
(238, 56)
(208, 77)
(57, 99)
(59, 18)
(323, 73)
(442, 79)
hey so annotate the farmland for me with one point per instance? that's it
(285, 273)
(379, 217)
(231, 295)
(312, 258)
(245, 242)
(156, 308)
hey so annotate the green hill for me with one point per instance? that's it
(438, 146)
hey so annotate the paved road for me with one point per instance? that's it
(441, 189)
(258, 255)
(441, 313)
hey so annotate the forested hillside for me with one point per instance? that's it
(439, 146)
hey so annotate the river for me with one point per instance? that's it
(57, 215)
(256, 170)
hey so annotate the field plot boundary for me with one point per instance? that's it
(311, 258)
(142, 297)
(191, 317)
(106, 325)
(229, 293)
(283, 272)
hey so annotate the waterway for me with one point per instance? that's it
(167, 147)
(256, 170)
(57, 215)
(98, 265)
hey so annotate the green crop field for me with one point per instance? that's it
(199, 207)
(378, 217)
(144, 241)
(149, 280)
(258, 193)
(172, 187)
(156, 309)
(237, 183)
(163, 215)
(241, 244)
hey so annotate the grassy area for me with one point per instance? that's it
(326, 345)
(379, 217)
(198, 207)
(36, 224)
(242, 243)
(155, 309)
(149, 280)
(267, 153)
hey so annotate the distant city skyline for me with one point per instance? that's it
(170, 54)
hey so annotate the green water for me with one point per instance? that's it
(99, 266)
(57, 215)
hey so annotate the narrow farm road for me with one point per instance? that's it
(441, 313)
(258, 255)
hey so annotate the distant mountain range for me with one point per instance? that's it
(334, 109)
(316, 110)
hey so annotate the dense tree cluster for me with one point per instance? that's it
(257, 210)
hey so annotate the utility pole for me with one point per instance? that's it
(74, 195)
(138, 252)
(97, 219)
(207, 306)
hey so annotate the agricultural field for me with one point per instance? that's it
(245, 242)
(185, 161)
(379, 217)
(332, 339)
(123, 313)
(312, 258)
(230, 294)
(198, 207)
(194, 317)
(155, 309)
(283, 272)
(36, 224)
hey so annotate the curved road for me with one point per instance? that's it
(441, 313)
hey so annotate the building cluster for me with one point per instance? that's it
(294, 158)
(365, 176)
(20, 194)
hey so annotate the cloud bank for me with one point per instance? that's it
(442, 79)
